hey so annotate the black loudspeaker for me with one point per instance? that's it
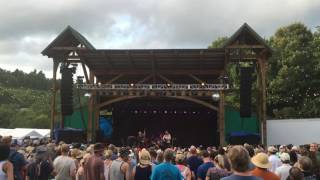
(245, 91)
(66, 91)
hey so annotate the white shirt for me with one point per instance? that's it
(275, 161)
(283, 171)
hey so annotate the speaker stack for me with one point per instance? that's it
(66, 91)
(245, 91)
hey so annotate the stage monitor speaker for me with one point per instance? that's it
(245, 91)
(66, 91)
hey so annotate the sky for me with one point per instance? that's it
(28, 26)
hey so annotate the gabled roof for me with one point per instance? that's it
(69, 37)
(248, 35)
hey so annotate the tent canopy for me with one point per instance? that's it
(20, 133)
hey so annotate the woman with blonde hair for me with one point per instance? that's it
(107, 163)
(143, 170)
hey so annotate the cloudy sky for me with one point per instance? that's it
(28, 26)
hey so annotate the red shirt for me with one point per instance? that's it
(94, 168)
(265, 174)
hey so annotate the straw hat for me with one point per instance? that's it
(144, 157)
(75, 152)
(261, 160)
(30, 149)
(80, 155)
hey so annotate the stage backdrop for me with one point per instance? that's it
(233, 121)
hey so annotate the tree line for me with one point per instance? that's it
(19, 79)
(293, 79)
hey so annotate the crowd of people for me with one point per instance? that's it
(45, 159)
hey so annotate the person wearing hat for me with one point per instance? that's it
(94, 167)
(64, 166)
(262, 164)
(42, 167)
(273, 158)
(74, 154)
(143, 170)
(283, 170)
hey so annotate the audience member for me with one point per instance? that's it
(64, 166)
(283, 170)
(94, 167)
(273, 158)
(239, 159)
(166, 170)
(6, 167)
(262, 164)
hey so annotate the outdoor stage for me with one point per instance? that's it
(139, 80)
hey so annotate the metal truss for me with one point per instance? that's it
(154, 87)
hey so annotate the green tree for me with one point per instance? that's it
(218, 43)
(293, 84)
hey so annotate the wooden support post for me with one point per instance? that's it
(221, 122)
(53, 97)
(262, 93)
(96, 119)
(90, 112)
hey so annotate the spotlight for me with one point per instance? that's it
(215, 96)
(131, 85)
(202, 84)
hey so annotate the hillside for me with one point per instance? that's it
(24, 99)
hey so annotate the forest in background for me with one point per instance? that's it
(293, 89)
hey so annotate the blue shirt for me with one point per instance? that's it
(237, 177)
(166, 171)
(202, 170)
(194, 162)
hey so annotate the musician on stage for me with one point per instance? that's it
(166, 138)
(141, 138)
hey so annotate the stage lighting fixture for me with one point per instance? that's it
(215, 96)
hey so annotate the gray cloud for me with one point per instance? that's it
(27, 27)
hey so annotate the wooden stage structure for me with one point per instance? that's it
(113, 75)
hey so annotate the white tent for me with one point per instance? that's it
(5, 132)
(20, 133)
(43, 132)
